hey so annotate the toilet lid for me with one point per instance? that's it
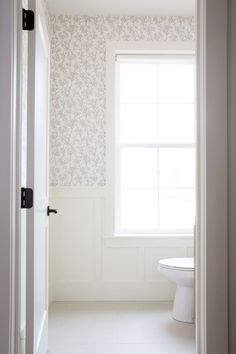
(179, 263)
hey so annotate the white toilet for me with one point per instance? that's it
(181, 272)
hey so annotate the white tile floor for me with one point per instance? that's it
(117, 328)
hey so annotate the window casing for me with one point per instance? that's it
(154, 144)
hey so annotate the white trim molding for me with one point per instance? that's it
(9, 188)
(112, 50)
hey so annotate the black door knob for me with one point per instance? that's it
(49, 211)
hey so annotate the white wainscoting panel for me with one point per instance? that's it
(153, 255)
(87, 265)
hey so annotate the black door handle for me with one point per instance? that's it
(51, 211)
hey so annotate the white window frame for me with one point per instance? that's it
(128, 48)
(119, 231)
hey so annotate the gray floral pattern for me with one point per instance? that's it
(78, 91)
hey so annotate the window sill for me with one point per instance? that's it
(149, 235)
(165, 240)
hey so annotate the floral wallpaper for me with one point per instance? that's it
(78, 91)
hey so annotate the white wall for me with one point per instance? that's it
(84, 265)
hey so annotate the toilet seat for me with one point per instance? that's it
(186, 263)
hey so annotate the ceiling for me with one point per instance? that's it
(123, 7)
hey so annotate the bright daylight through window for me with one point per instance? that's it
(155, 144)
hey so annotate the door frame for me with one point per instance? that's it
(211, 245)
(33, 38)
(212, 225)
(10, 179)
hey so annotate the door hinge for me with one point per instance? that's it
(27, 20)
(27, 197)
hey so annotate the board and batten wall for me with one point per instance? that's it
(86, 264)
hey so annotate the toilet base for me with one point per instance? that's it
(183, 309)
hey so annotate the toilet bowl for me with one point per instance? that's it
(181, 272)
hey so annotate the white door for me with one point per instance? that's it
(37, 179)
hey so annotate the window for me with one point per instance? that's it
(154, 144)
